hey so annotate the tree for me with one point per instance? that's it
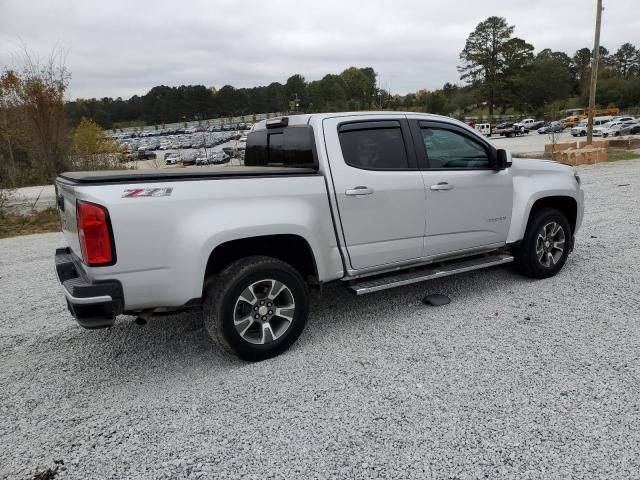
(295, 87)
(9, 130)
(517, 56)
(626, 60)
(482, 57)
(486, 54)
(546, 79)
(91, 149)
(35, 91)
(582, 67)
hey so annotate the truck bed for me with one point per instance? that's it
(180, 174)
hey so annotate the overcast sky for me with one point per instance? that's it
(125, 47)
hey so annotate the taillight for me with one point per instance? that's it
(94, 232)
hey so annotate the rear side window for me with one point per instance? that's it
(283, 147)
(374, 146)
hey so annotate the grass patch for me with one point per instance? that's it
(622, 155)
(12, 225)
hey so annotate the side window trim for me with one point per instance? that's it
(423, 156)
(407, 138)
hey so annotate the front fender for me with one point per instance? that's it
(537, 179)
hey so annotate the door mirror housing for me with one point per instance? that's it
(503, 159)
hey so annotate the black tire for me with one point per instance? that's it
(219, 306)
(527, 255)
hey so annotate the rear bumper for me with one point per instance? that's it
(93, 304)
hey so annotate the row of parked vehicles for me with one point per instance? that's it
(179, 142)
(604, 126)
(609, 127)
(163, 132)
(202, 157)
(512, 129)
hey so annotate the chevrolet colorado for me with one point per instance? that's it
(372, 200)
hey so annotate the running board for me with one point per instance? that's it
(427, 273)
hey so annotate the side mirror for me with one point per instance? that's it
(503, 159)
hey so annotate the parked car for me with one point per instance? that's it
(219, 157)
(580, 130)
(528, 124)
(615, 130)
(552, 127)
(623, 119)
(605, 127)
(146, 155)
(247, 244)
(203, 158)
(632, 128)
(171, 158)
(189, 158)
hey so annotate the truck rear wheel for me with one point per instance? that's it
(546, 244)
(256, 308)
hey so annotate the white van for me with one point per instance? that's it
(484, 129)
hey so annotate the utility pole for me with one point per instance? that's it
(594, 72)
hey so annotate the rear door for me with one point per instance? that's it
(468, 202)
(379, 189)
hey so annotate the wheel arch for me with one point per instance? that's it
(290, 248)
(567, 205)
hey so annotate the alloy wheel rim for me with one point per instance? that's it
(264, 311)
(550, 244)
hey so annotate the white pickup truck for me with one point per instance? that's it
(372, 200)
(527, 124)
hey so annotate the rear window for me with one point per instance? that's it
(374, 145)
(282, 147)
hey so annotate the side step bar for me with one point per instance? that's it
(427, 273)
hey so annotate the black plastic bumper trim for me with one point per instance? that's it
(93, 304)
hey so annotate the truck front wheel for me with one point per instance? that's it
(545, 247)
(256, 308)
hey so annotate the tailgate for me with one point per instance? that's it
(66, 203)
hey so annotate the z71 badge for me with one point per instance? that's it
(147, 192)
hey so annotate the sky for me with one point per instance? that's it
(125, 47)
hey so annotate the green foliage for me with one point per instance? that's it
(491, 56)
(353, 89)
(92, 150)
(546, 79)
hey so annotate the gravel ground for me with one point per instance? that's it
(514, 379)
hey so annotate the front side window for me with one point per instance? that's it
(449, 149)
(374, 148)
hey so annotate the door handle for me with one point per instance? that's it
(360, 190)
(442, 186)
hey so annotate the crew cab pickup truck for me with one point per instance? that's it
(528, 124)
(369, 200)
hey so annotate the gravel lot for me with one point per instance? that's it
(514, 379)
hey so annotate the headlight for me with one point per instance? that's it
(576, 176)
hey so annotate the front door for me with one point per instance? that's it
(379, 189)
(468, 202)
